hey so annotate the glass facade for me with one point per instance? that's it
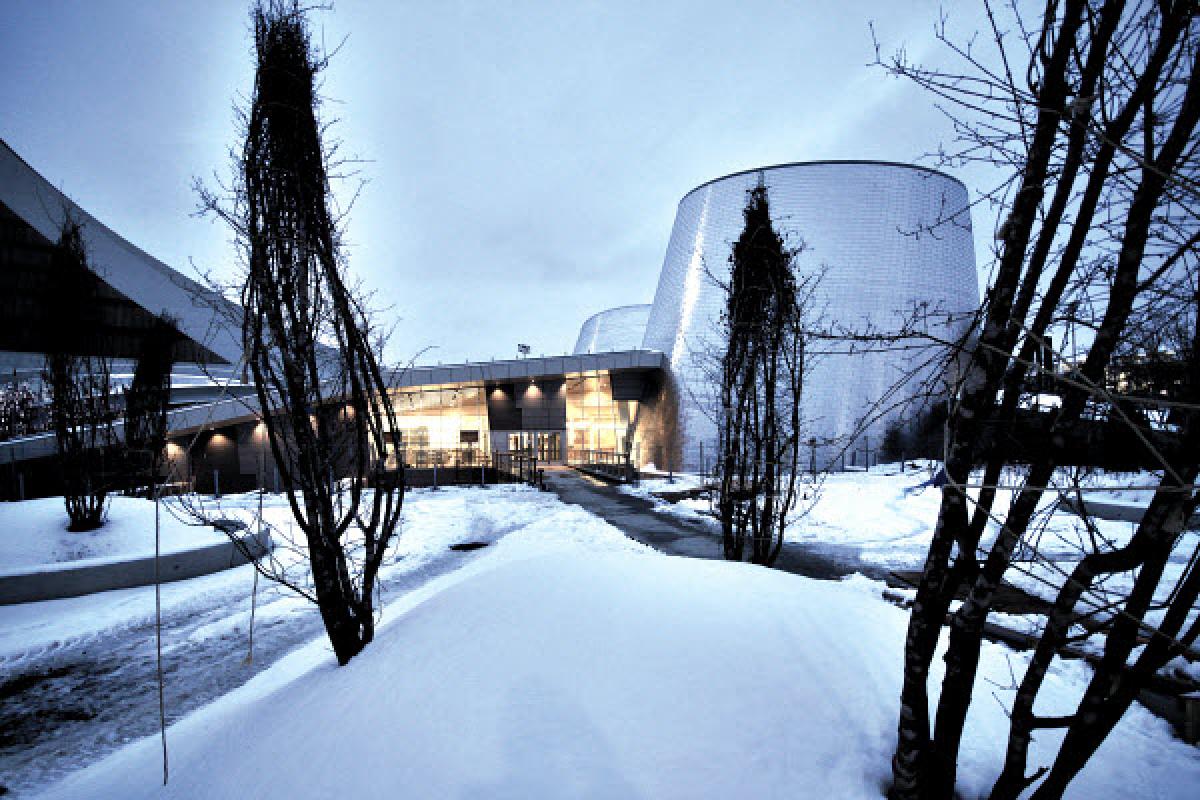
(463, 423)
(432, 421)
(547, 446)
(595, 421)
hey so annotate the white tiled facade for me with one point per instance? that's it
(886, 236)
(620, 328)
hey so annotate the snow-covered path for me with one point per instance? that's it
(78, 676)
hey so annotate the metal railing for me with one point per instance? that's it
(518, 467)
(609, 463)
(468, 466)
(422, 457)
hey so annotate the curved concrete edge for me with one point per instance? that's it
(80, 579)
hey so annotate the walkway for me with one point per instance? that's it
(680, 536)
(637, 519)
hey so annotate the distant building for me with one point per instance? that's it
(126, 289)
(621, 328)
(888, 239)
(888, 236)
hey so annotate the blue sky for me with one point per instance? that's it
(523, 160)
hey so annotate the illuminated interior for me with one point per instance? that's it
(449, 423)
(434, 419)
(595, 421)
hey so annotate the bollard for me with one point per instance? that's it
(1191, 717)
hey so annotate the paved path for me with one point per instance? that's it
(637, 519)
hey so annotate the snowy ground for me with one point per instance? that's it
(885, 518)
(567, 661)
(870, 513)
(888, 517)
(34, 534)
(77, 675)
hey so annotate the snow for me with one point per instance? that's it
(567, 661)
(34, 535)
(878, 513)
(887, 517)
(95, 655)
(682, 481)
(431, 522)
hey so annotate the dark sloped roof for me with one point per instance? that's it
(200, 314)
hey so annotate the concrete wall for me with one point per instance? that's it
(75, 580)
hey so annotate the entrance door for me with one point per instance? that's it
(545, 445)
(549, 447)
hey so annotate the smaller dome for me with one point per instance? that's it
(620, 328)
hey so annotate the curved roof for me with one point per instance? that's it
(620, 328)
(632, 307)
(201, 314)
(829, 162)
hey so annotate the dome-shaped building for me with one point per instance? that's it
(884, 239)
(620, 328)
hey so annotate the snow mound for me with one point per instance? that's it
(617, 674)
(33, 534)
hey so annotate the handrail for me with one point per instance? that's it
(611, 463)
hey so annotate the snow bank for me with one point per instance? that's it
(33, 533)
(886, 517)
(646, 487)
(431, 522)
(571, 663)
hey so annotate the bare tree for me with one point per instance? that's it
(19, 410)
(307, 338)
(81, 402)
(761, 379)
(1090, 114)
(146, 402)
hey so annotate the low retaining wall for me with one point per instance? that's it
(73, 579)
